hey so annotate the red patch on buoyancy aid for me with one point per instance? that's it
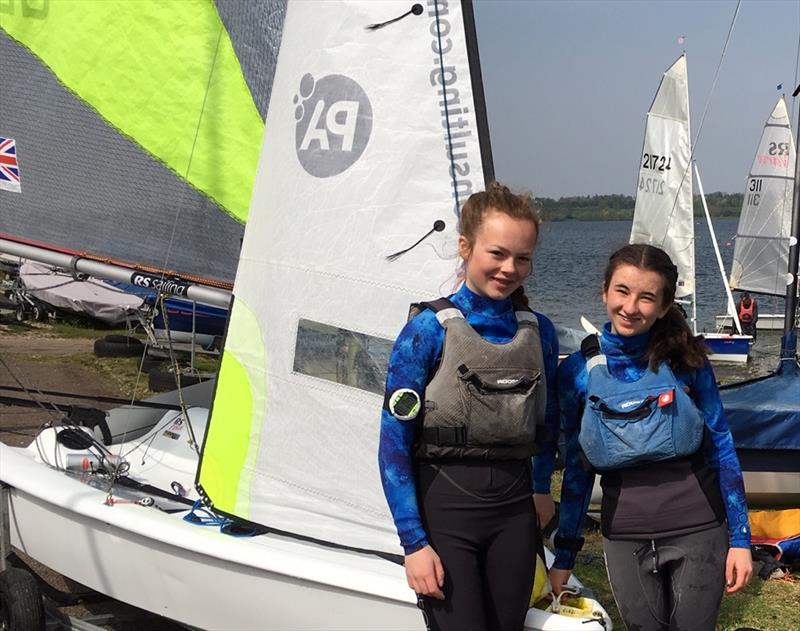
(665, 398)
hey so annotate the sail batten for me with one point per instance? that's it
(761, 252)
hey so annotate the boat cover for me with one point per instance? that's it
(92, 297)
(569, 340)
(765, 413)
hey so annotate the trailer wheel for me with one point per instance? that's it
(159, 381)
(149, 364)
(38, 313)
(21, 606)
(118, 346)
(19, 314)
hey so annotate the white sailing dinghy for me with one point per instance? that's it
(376, 133)
(761, 249)
(664, 214)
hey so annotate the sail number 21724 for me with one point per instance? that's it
(656, 162)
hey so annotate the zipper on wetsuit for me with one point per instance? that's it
(653, 552)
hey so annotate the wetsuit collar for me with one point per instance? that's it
(470, 302)
(629, 346)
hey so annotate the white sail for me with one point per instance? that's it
(761, 253)
(371, 137)
(663, 215)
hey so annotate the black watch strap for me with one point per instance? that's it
(563, 543)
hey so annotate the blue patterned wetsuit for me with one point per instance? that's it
(477, 514)
(415, 354)
(673, 501)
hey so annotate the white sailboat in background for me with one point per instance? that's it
(761, 251)
(288, 450)
(664, 212)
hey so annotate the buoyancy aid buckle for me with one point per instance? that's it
(456, 435)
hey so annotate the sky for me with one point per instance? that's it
(568, 84)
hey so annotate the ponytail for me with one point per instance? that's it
(672, 341)
(519, 299)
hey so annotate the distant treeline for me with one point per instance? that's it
(600, 207)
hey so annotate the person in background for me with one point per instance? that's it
(747, 310)
(469, 399)
(673, 516)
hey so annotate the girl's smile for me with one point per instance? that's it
(634, 300)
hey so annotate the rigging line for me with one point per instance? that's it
(716, 76)
(98, 398)
(796, 62)
(53, 412)
(191, 152)
(705, 111)
(174, 362)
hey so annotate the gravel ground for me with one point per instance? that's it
(46, 363)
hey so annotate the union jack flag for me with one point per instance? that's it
(9, 167)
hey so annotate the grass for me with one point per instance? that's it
(121, 373)
(69, 327)
(772, 605)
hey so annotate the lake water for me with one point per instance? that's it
(568, 277)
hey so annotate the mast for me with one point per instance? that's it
(789, 340)
(166, 283)
(731, 305)
(478, 95)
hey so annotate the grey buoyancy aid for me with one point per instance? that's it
(485, 399)
(648, 420)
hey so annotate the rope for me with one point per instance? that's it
(716, 77)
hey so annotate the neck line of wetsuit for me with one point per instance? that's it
(471, 302)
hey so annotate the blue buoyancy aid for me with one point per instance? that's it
(649, 420)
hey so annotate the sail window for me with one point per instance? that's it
(342, 356)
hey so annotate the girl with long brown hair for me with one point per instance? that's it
(641, 407)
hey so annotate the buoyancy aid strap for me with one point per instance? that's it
(445, 435)
(590, 346)
(448, 314)
(528, 317)
(442, 308)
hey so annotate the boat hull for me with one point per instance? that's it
(728, 348)
(184, 585)
(765, 322)
(198, 576)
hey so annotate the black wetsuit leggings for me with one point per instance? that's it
(669, 584)
(481, 521)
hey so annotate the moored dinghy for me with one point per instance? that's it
(664, 211)
(761, 251)
(347, 177)
(764, 413)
